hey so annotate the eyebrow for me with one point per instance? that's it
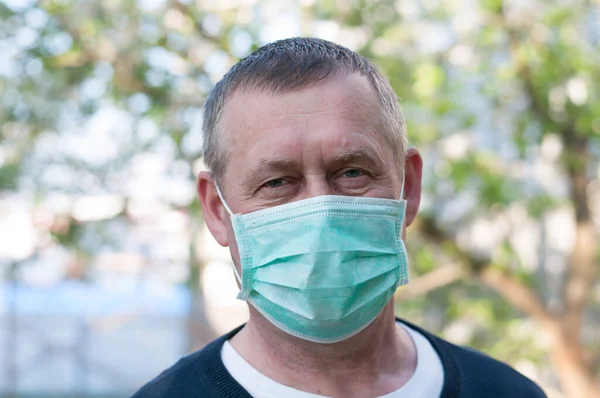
(266, 165)
(360, 154)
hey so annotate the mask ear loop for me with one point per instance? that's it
(237, 275)
(225, 203)
(402, 199)
(400, 282)
(401, 189)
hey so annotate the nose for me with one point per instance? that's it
(315, 185)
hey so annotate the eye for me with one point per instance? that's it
(352, 173)
(276, 183)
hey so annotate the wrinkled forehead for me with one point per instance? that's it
(331, 110)
(349, 92)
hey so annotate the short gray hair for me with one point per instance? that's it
(289, 64)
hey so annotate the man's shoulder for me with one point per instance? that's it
(180, 380)
(471, 373)
(191, 376)
(482, 374)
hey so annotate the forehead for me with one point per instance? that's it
(338, 113)
(337, 94)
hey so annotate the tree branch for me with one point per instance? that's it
(432, 281)
(518, 294)
(581, 279)
(583, 272)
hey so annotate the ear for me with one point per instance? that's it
(413, 167)
(215, 215)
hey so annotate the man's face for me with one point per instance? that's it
(326, 139)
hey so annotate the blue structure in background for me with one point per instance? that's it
(78, 339)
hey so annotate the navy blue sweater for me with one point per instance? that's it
(467, 373)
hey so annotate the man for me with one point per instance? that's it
(311, 185)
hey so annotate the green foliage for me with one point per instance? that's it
(9, 174)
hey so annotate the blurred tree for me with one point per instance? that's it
(502, 99)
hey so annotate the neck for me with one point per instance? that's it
(376, 361)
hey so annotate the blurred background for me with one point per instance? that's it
(107, 272)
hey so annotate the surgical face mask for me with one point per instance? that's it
(321, 269)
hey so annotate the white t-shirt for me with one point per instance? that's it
(426, 382)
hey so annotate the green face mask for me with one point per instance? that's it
(323, 268)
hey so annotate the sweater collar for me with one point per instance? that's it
(214, 373)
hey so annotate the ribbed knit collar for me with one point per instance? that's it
(212, 371)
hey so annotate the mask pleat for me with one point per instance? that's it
(323, 235)
(300, 272)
